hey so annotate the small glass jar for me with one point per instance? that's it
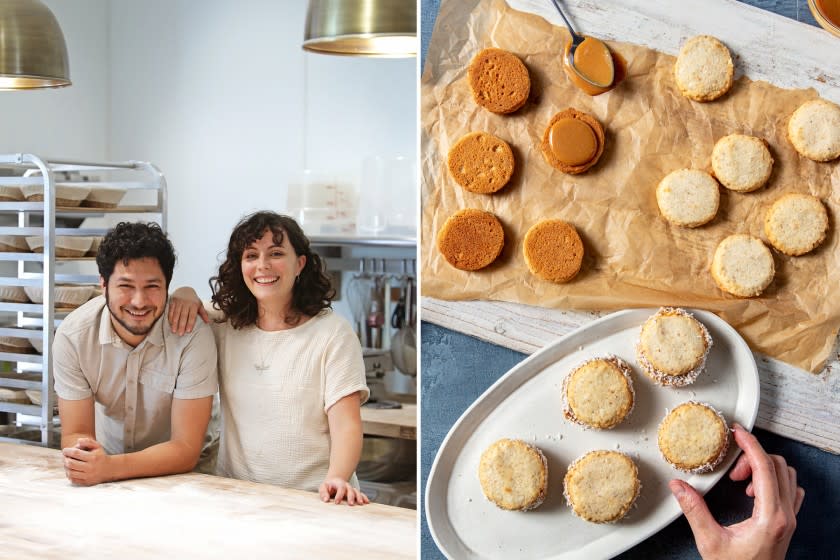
(831, 26)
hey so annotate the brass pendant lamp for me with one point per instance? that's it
(376, 28)
(33, 53)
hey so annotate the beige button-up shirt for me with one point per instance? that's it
(132, 388)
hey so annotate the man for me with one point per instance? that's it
(133, 397)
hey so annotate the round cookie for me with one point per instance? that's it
(513, 475)
(601, 486)
(796, 224)
(742, 265)
(704, 69)
(673, 347)
(553, 250)
(693, 438)
(599, 393)
(499, 80)
(480, 162)
(554, 134)
(688, 197)
(741, 163)
(814, 130)
(471, 239)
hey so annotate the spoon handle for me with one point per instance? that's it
(562, 15)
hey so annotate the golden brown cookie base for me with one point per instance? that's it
(553, 250)
(480, 162)
(471, 239)
(499, 81)
(548, 153)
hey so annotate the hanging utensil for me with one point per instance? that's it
(398, 317)
(404, 342)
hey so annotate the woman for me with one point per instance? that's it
(291, 374)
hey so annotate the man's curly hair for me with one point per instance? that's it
(129, 241)
(312, 291)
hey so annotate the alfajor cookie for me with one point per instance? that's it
(480, 162)
(471, 239)
(693, 438)
(742, 265)
(814, 130)
(599, 393)
(513, 475)
(796, 224)
(741, 163)
(673, 347)
(553, 250)
(573, 141)
(704, 69)
(602, 486)
(499, 80)
(688, 197)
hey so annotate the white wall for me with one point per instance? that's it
(70, 122)
(222, 98)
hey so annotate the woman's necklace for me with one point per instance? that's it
(265, 361)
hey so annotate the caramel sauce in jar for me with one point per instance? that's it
(619, 67)
(572, 141)
(831, 10)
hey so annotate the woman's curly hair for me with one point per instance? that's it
(312, 291)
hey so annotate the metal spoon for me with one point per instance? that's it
(577, 39)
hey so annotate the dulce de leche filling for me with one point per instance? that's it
(595, 60)
(572, 141)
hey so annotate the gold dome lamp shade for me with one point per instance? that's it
(33, 53)
(372, 28)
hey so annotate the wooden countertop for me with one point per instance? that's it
(182, 516)
(395, 422)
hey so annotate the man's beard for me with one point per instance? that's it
(136, 330)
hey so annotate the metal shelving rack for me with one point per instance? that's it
(33, 371)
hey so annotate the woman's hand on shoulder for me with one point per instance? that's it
(340, 489)
(184, 306)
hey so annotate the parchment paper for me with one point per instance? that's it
(633, 257)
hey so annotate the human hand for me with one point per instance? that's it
(184, 305)
(340, 488)
(86, 463)
(766, 535)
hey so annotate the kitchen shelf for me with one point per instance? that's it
(356, 241)
(38, 218)
(77, 211)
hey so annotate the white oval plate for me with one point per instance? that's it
(526, 403)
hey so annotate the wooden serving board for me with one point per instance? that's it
(182, 516)
(794, 403)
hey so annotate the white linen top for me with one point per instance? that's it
(274, 422)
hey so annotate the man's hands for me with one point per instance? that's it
(766, 535)
(341, 489)
(86, 463)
